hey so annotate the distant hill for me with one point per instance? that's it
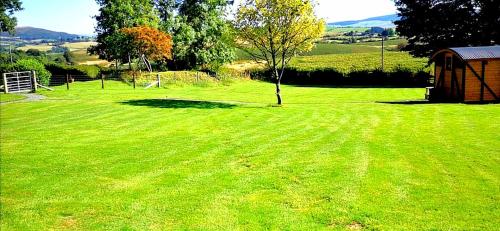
(32, 33)
(386, 21)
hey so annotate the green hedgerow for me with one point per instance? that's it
(30, 64)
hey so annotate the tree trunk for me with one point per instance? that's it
(147, 63)
(278, 85)
(129, 62)
(278, 92)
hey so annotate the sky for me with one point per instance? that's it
(75, 16)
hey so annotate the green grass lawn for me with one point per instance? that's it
(10, 97)
(330, 158)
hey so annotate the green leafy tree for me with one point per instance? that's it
(276, 30)
(167, 12)
(34, 52)
(115, 15)
(434, 25)
(203, 37)
(7, 9)
(68, 56)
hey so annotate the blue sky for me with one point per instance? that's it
(75, 16)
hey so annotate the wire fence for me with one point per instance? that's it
(144, 80)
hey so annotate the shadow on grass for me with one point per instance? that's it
(177, 103)
(352, 86)
(415, 102)
(418, 102)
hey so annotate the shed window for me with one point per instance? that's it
(448, 63)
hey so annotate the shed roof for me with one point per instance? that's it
(470, 53)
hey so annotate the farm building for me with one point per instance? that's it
(466, 74)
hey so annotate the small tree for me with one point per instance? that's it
(149, 44)
(68, 56)
(276, 30)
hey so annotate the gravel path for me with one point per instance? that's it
(30, 97)
(33, 97)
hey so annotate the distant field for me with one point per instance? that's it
(346, 63)
(78, 49)
(79, 45)
(331, 29)
(324, 49)
(347, 58)
(392, 42)
(82, 57)
(41, 47)
(332, 48)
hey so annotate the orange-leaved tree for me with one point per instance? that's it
(148, 44)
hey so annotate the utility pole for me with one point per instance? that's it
(10, 53)
(382, 53)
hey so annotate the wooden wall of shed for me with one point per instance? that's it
(449, 91)
(492, 79)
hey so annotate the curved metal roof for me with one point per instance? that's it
(470, 53)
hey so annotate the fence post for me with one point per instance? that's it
(5, 85)
(197, 76)
(35, 87)
(158, 79)
(133, 79)
(67, 81)
(102, 81)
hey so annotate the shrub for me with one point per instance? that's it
(29, 64)
(62, 69)
(91, 71)
(330, 76)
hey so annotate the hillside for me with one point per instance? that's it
(386, 21)
(32, 33)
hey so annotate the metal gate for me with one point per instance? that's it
(15, 82)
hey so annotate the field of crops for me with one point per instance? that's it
(41, 47)
(333, 48)
(346, 63)
(79, 45)
(391, 42)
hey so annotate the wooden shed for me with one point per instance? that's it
(466, 74)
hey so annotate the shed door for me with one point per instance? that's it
(452, 77)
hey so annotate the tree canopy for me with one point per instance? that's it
(202, 35)
(7, 9)
(433, 25)
(276, 30)
(115, 15)
(149, 44)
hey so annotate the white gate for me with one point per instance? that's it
(15, 82)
